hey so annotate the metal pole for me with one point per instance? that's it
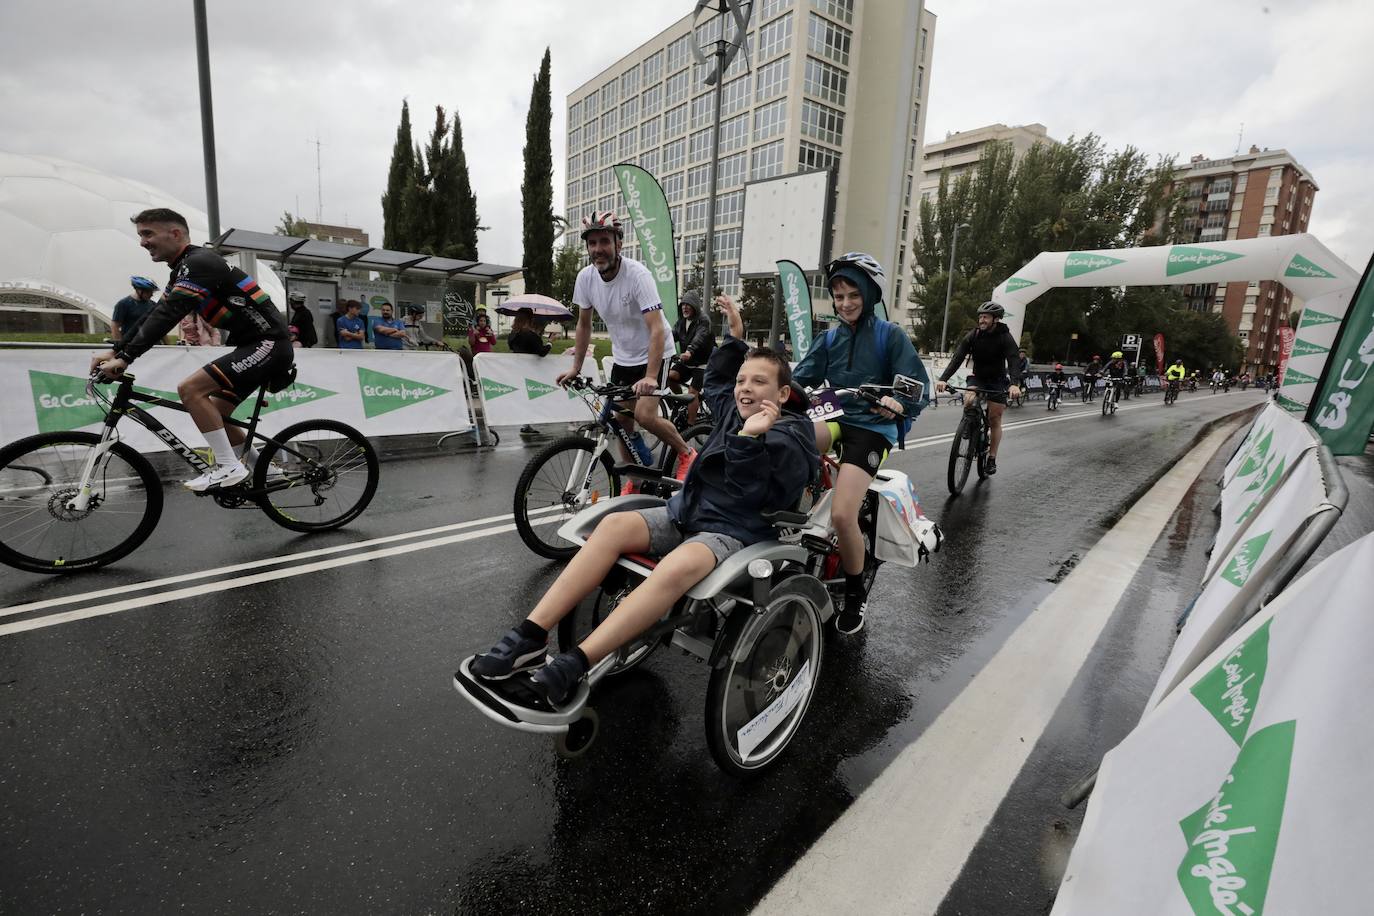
(775, 331)
(207, 119)
(708, 277)
(949, 286)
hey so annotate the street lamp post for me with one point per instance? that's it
(949, 285)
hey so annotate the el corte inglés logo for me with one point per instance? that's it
(60, 401)
(299, 393)
(1183, 258)
(1243, 563)
(536, 389)
(1230, 690)
(384, 393)
(1289, 404)
(1081, 262)
(1297, 378)
(1016, 283)
(1305, 348)
(493, 389)
(1301, 267)
(1311, 316)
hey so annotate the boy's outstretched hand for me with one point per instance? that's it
(762, 421)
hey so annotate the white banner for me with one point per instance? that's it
(519, 389)
(377, 392)
(1244, 792)
(1243, 568)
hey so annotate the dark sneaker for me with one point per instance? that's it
(851, 619)
(513, 654)
(991, 466)
(557, 681)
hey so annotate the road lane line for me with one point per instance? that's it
(903, 842)
(129, 604)
(256, 564)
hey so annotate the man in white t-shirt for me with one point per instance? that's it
(623, 293)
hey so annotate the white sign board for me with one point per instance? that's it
(784, 219)
(518, 388)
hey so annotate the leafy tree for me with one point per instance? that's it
(566, 264)
(536, 191)
(399, 179)
(290, 225)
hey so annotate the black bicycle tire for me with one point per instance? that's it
(960, 435)
(152, 485)
(286, 435)
(527, 475)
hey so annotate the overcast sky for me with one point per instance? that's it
(113, 85)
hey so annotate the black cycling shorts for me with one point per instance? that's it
(994, 391)
(628, 375)
(249, 367)
(861, 447)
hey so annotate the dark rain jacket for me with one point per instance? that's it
(736, 478)
(695, 335)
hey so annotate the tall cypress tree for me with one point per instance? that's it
(536, 191)
(463, 244)
(398, 179)
(412, 225)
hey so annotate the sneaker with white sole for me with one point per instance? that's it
(221, 475)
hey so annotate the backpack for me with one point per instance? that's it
(882, 330)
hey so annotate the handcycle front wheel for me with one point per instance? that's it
(961, 453)
(770, 664)
(590, 613)
(39, 478)
(318, 474)
(561, 480)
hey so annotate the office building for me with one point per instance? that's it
(1246, 196)
(961, 151)
(344, 235)
(829, 84)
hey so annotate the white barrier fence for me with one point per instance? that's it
(519, 389)
(379, 392)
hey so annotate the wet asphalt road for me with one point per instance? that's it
(296, 745)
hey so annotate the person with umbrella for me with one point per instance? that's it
(524, 338)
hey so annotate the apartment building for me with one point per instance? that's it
(825, 84)
(1250, 195)
(961, 151)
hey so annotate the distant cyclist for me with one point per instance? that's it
(1176, 372)
(1091, 373)
(864, 349)
(622, 291)
(995, 357)
(1119, 373)
(226, 298)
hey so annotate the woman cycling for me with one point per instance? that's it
(863, 350)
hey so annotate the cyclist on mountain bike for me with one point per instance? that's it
(1176, 372)
(760, 456)
(862, 350)
(995, 369)
(622, 291)
(1091, 373)
(1119, 371)
(227, 298)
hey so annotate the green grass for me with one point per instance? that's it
(45, 337)
(600, 346)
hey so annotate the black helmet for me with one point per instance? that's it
(993, 309)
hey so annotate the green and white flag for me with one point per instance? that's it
(653, 224)
(1343, 410)
(796, 305)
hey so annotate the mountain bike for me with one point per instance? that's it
(1111, 394)
(971, 442)
(1171, 391)
(75, 500)
(1089, 382)
(1052, 399)
(576, 471)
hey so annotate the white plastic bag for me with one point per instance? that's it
(905, 535)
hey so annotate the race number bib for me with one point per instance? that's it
(824, 406)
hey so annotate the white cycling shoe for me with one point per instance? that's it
(221, 475)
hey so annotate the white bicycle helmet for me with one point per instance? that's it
(602, 220)
(864, 262)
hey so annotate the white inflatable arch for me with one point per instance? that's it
(1304, 265)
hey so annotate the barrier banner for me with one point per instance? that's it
(518, 389)
(653, 223)
(380, 393)
(1343, 410)
(1159, 354)
(1243, 792)
(1286, 338)
(1240, 571)
(796, 305)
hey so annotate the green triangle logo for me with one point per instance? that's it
(1185, 258)
(491, 390)
(1016, 283)
(1263, 478)
(297, 394)
(1264, 483)
(1311, 316)
(1230, 690)
(384, 393)
(1084, 262)
(536, 389)
(60, 402)
(1255, 457)
(1231, 839)
(1305, 348)
(1297, 378)
(1301, 267)
(1243, 563)
(1288, 403)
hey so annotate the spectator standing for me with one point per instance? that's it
(523, 338)
(349, 327)
(481, 338)
(130, 311)
(301, 319)
(389, 332)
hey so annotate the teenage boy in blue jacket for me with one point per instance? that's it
(759, 457)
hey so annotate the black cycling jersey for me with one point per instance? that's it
(225, 296)
(995, 355)
(1117, 368)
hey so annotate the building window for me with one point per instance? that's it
(817, 157)
(734, 133)
(672, 188)
(629, 112)
(629, 82)
(701, 110)
(766, 161)
(699, 145)
(574, 112)
(694, 216)
(609, 123)
(925, 36)
(573, 187)
(590, 158)
(678, 52)
(828, 39)
(727, 244)
(729, 208)
(589, 187)
(825, 82)
(651, 101)
(648, 134)
(590, 134)
(727, 278)
(653, 68)
(675, 121)
(674, 155)
(709, 31)
(821, 122)
(842, 10)
(770, 120)
(771, 79)
(675, 90)
(732, 169)
(770, 8)
(648, 161)
(734, 96)
(627, 144)
(608, 96)
(591, 107)
(575, 139)
(605, 183)
(697, 180)
(775, 37)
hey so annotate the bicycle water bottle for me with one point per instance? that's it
(642, 449)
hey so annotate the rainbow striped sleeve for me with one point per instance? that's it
(255, 292)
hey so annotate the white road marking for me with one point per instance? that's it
(900, 846)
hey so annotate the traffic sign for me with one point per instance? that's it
(1130, 342)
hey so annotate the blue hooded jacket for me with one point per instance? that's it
(851, 359)
(735, 478)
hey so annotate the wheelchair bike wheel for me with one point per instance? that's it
(557, 483)
(40, 474)
(767, 674)
(588, 615)
(330, 474)
(962, 452)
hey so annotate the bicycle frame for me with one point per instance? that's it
(608, 426)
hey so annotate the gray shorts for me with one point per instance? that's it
(665, 536)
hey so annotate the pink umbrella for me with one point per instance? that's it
(542, 306)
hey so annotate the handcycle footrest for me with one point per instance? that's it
(508, 702)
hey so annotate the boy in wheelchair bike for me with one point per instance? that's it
(760, 457)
